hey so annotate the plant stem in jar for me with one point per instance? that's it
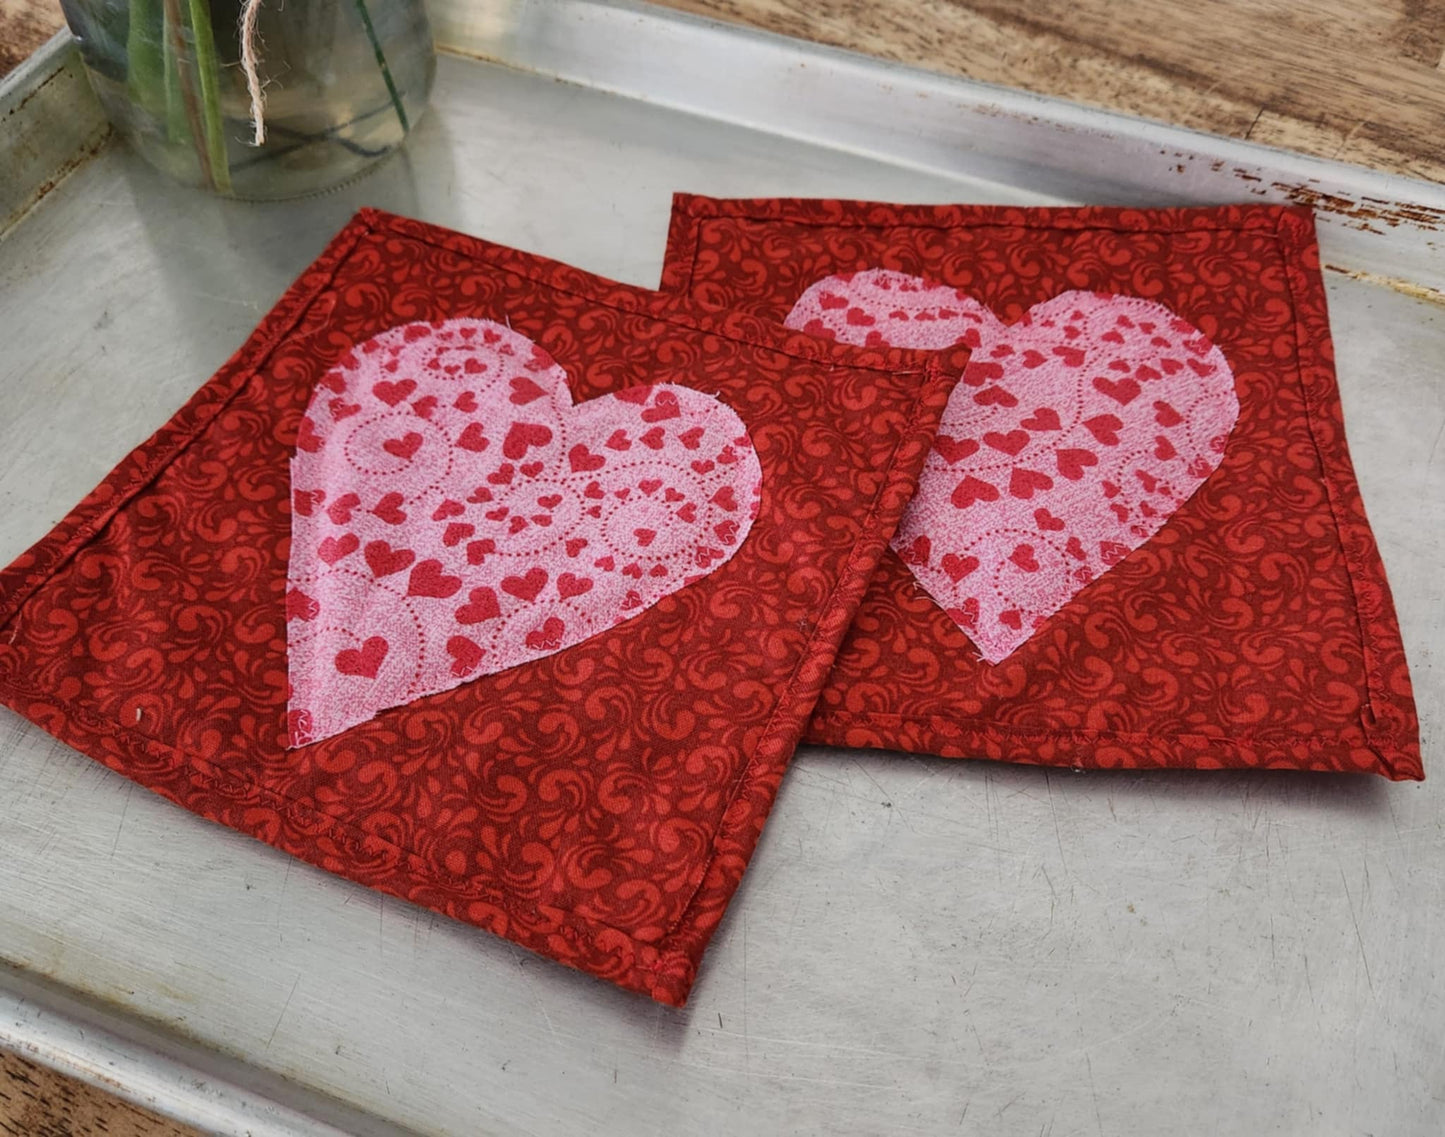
(381, 62)
(208, 65)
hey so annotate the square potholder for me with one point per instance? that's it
(1138, 541)
(484, 582)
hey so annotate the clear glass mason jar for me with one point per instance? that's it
(341, 84)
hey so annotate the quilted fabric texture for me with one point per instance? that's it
(441, 455)
(1251, 626)
(597, 803)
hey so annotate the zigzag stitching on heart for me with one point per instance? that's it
(471, 518)
(1072, 437)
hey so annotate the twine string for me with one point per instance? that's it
(249, 11)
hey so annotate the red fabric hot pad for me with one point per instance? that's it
(1138, 541)
(568, 564)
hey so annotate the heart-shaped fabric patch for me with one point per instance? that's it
(1073, 436)
(454, 515)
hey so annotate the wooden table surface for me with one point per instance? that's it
(1359, 82)
(1355, 81)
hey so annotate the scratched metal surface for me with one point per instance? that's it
(919, 945)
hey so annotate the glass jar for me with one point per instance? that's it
(337, 85)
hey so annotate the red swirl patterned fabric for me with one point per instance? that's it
(595, 801)
(1233, 612)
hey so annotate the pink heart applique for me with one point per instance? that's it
(455, 548)
(1072, 437)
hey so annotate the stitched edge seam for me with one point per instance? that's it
(248, 361)
(684, 241)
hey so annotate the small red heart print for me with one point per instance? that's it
(460, 415)
(525, 391)
(1024, 483)
(995, 397)
(1072, 462)
(966, 614)
(333, 549)
(393, 393)
(299, 606)
(303, 502)
(1165, 415)
(384, 560)
(404, 447)
(1010, 443)
(972, 489)
(1124, 392)
(340, 510)
(524, 435)
(481, 605)
(583, 460)
(663, 407)
(465, 653)
(548, 637)
(473, 438)
(1044, 418)
(917, 553)
(569, 585)
(364, 662)
(954, 449)
(526, 587)
(979, 371)
(428, 579)
(1104, 428)
(389, 509)
(306, 437)
(1080, 361)
(957, 567)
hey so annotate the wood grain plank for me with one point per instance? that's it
(1355, 82)
(37, 1102)
(1358, 82)
(24, 26)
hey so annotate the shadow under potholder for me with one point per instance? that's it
(486, 583)
(1138, 541)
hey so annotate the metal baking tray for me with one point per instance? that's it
(918, 945)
